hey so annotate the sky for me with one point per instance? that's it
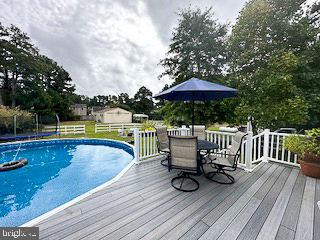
(107, 46)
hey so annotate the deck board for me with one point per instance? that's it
(195, 232)
(290, 218)
(234, 229)
(304, 230)
(143, 205)
(316, 229)
(219, 202)
(285, 233)
(218, 227)
(270, 227)
(252, 228)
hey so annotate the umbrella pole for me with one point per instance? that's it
(192, 117)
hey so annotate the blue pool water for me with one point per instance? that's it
(57, 172)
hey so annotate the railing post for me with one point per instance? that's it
(184, 131)
(95, 128)
(136, 144)
(266, 145)
(248, 154)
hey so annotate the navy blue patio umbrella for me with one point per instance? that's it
(195, 89)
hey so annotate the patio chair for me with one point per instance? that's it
(225, 160)
(184, 157)
(163, 144)
(199, 131)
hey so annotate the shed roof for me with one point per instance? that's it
(140, 115)
(107, 109)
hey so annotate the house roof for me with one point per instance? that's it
(97, 108)
(79, 105)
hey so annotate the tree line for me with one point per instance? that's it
(31, 80)
(141, 102)
(272, 56)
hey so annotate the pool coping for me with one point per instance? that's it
(84, 195)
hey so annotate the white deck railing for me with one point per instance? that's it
(265, 146)
(276, 151)
(147, 141)
(224, 139)
(258, 147)
(115, 126)
(66, 129)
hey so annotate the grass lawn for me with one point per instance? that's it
(90, 132)
(107, 135)
(213, 128)
(216, 126)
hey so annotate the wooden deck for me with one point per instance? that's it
(273, 202)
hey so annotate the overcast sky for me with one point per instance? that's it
(108, 46)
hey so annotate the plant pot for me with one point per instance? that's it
(311, 169)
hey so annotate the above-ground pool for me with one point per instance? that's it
(57, 172)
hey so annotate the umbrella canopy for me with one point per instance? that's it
(195, 89)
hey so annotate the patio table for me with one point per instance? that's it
(204, 145)
(207, 146)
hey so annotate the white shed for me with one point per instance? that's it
(139, 117)
(113, 115)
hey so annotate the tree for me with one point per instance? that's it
(313, 12)
(17, 60)
(197, 49)
(143, 102)
(265, 27)
(266, 30)
(275, 101)
(307, 80)
(30, 80)
(125, 102)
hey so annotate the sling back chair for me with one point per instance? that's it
(199, 131)
(225, 160)
(163, 144)
(185, 158)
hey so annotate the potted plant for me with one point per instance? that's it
(308, 150)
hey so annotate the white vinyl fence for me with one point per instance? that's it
(265, 146)
(67, 129)
(115, 126)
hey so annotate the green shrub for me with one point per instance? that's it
(25, 121)
(302, 145)
(148, 125)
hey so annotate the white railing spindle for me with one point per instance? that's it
(266, 146)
